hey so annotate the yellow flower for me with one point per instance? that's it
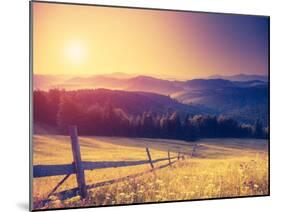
(122, 194)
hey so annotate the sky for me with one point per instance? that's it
(91, 40)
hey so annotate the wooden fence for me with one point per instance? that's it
(78, 167)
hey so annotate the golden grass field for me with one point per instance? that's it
(220, 168)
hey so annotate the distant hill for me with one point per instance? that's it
(45, 82)
(119, 75)
(136, 103)
(98, 81)
(153, 85)
(144, 83)
(241, 77)
(139, 83)
(246, 100)
(252, 83)
(200, 84)
(246, 104)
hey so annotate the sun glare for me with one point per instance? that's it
(75, 52)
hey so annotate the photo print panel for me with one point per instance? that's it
(138, 105)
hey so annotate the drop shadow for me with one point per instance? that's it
(23, 206)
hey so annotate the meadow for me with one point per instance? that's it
(219, 168)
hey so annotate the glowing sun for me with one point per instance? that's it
(75, 52)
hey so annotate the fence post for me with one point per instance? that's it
(149, 158)
(193, 151)
(80, 176)
(169, 157)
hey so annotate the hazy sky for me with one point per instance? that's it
(86, 40)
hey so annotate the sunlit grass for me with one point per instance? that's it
(222, 168)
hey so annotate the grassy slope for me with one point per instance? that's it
(221, 168)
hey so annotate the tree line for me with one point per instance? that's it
(58, 109)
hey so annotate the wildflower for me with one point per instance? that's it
(159, 181)
(128, 196)
(132, 193)
(122, 194)
(150, 184)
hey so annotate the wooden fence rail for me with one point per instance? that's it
(64, 169)
(78, 167)
(66, 194)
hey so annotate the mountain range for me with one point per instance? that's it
(135, 102)
(244, 97)
(241, 77)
